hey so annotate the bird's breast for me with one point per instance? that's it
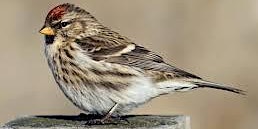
(71, 65)
(96, 86)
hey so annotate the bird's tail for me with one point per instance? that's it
(207, 84)
(190, 84)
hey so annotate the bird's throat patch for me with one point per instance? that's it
(49, 39)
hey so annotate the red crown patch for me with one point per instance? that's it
(57, 12)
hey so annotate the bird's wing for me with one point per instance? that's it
(130, 54)
(122, 51)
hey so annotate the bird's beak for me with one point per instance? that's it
(47, 31)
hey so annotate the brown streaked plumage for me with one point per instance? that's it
(103, 72)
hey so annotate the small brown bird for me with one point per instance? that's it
(103, 72)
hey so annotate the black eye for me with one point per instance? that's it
(64, 24)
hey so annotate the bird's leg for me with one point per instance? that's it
(104, 119)
(108, 115)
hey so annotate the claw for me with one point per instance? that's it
(95, 122)
(100, 121)
(119, 118)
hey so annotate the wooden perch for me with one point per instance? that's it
(78, 122)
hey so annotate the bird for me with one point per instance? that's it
(105, 73)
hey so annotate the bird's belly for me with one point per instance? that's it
(101, 100)
(88, 100)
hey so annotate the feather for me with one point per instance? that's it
(138, 57)
(208, 84)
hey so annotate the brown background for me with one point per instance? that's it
(215, 39)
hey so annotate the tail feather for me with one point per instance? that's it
(207, 84)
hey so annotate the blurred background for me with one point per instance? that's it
(215, 39)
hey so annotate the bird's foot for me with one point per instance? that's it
(121, 119)
(99, 121)
(109, 120)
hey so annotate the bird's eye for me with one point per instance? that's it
(64, 24)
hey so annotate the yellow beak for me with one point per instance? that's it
(47, 31)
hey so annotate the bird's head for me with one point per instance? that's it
(69, 22)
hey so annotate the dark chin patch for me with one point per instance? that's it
(49, 39)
